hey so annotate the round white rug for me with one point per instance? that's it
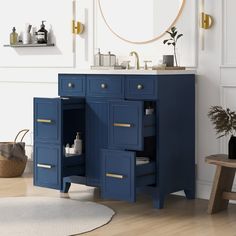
(33, 216)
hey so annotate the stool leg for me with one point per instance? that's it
(223, 181)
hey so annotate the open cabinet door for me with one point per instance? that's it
(58, 16)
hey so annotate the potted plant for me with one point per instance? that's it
(224, 121)
(174, 37)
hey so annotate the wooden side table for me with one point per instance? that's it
(223, 181)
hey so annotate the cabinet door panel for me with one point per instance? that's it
(47, 120)
(47, 167)
(96, 138)
(126, 125)
(118, 175)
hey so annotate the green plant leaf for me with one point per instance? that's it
(224, 120)
(169, 33)
(169, 43)
(165, 41)
(173, 29)
(179, 36)
(174, 34)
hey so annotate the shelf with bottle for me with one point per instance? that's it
(29, 39)
(21, 45)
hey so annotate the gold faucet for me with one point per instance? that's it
(133, 53)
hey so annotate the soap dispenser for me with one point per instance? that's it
(13, 37)
(78, 144)
(42, 34)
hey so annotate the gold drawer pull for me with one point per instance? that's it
(115, 176)
(140, 87)
(122, 125)
(44, 121)
(44, 166)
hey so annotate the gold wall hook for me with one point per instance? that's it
(206, 21)
(77, 27)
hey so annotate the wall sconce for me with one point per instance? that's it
(77, 27)
(206, 22)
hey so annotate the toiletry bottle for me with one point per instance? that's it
(149, 109)
(26, 37)
(78, 144)
(98, 58)
(33, 36)
(42, 34)
(67, 148)
(13, 37)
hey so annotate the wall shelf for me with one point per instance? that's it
(29, 45)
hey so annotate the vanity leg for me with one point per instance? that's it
(190, 193)
(66, 187)
(158, 200)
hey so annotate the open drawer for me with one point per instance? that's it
(121, 175)
(128, 125)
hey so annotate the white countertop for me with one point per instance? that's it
(132, 72)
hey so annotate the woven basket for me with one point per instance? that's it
(10, 168)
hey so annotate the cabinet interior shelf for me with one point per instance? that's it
(29, 45)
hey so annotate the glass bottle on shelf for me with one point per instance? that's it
(13, 37)
(42, 34)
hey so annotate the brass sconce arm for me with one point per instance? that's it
(206, 21)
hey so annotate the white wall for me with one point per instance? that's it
(186, 24)
(216, 67)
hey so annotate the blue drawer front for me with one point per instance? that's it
(141, 87)
(71, 85)
(47, 119)
(126, 125)
(118, 175)
(47, 170)
(105, 86)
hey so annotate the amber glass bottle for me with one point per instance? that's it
(13, 37)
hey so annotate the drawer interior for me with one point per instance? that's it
(74, 122)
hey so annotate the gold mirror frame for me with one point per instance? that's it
(147, 41)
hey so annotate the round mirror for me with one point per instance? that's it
(140, 21)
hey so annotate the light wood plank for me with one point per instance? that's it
(221, 160)
(229, 195)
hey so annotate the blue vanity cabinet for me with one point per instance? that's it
(110, 112)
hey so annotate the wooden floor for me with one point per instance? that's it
(180, 217)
